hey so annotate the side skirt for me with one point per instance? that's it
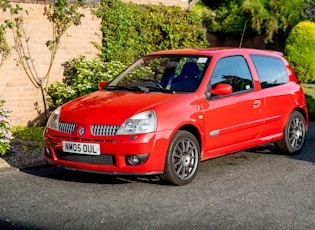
(240, 146)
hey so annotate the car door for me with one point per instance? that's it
(278, 92)
(235, 119)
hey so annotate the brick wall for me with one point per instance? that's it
(21, 96)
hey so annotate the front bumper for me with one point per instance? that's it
(115, 150)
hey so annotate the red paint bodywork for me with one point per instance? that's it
(242, 120)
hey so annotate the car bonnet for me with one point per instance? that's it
(104, 107)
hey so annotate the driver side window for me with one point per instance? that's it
(233, 71)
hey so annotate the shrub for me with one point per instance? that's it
(131, 31)
(5, 133)
(82, 77)
(300, 49)
(31, 137)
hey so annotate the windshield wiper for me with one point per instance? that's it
(118, 87)
(159, 89)
(129, 88)
(145, 89)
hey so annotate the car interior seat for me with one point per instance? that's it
(188, 79)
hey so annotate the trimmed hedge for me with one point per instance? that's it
(131, 31)
(300, 49)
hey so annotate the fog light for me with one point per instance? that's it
(133, 160)
(136, 159)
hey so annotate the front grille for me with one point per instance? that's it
(104, 130)
(104, 159)
(66, 127)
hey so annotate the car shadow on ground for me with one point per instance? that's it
(305, 155)
(56, 173)
(308, 153)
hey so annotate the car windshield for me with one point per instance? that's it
(162, 73)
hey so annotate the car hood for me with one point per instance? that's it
(104, 107)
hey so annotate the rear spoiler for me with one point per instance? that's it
(278, 53)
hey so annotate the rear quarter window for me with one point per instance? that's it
(271, 71)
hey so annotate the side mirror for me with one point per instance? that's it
(221, 90)
(102, 85)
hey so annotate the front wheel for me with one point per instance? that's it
(182, 159)
(294, 135)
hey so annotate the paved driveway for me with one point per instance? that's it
(254, 189)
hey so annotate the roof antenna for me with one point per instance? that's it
(243, 34)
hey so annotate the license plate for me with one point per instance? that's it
(81, 148)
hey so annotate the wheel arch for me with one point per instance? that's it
(195, 131)
(303, 112)
(298, 109)
(294, 134)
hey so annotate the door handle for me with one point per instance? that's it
(257, 104)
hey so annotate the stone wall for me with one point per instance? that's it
(21, 96)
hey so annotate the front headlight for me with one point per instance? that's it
(54, 119)
(140, 123)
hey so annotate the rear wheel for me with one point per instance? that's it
(182, 159)
(294, 135)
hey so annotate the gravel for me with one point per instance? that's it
(23, 154)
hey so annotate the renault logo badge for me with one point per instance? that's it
(82, 131)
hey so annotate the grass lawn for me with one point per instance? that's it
(309, 89)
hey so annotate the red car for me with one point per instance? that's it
(172, 109)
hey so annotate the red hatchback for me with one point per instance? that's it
(172, 109)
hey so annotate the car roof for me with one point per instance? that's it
(211, 51)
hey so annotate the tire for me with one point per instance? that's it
(294, 135)
(182, 159)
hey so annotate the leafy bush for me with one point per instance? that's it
(28, 133)
(300, 49)
(28, 138)
(82, 77)
(131, 30)
(5, 133)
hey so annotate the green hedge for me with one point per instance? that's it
(82, 77)
(131, 31)
(300, 50)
